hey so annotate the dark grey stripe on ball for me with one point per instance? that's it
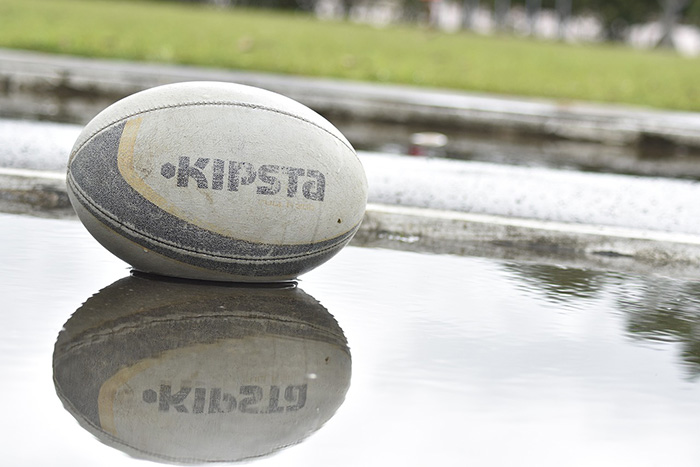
(95, 179)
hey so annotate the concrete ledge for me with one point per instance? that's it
(75, 89)
(538, 193)
(597, 247)
(39, 193)
(43, 193)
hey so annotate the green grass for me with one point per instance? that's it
(290, 43)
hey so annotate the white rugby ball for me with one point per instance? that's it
(216, 181)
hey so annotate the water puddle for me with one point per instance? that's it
(378, 357)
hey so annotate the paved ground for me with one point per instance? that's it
(564, 217)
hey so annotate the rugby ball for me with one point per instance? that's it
(216, 181)
(191, 373)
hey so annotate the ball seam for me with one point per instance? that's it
(212, 103)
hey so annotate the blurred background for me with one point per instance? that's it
(641, 23)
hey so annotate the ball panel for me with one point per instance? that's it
(244, 172)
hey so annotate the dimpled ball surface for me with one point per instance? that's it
(216, 181)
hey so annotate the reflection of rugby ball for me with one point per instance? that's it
(216, 181)
(192, 373)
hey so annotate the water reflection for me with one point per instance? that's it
(180, 372)
(654, 309)
(559, 283)
(665, 311)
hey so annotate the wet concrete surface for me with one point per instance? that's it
(653, 159)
